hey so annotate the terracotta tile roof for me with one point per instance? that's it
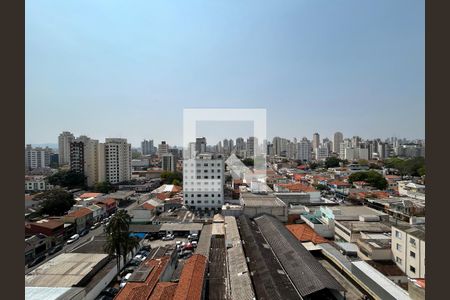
(304, 233)
(299, 176)
(148, 206)
(48, 223)
(164, 291)
(392, 177)
(190, 285)
(297, 187)
(80, 212)
(143, 290)
(163, 196)
(90, 195)
(108, 201)
(339, 183)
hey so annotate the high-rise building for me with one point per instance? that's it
(338, 138)
(147, 147)
(252, 147)
(64, 140)
(203, 182)
(200, 145)
(84, 158)
(77, 156)
(321, 152)
(115, 160)
(316, 140)
(37, 157)
(304, 150)
(163, 148)
(328, 144)
(279, 146)
(346, 143)
(169, 162)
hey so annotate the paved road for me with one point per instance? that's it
(80, 242)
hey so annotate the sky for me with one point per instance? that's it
(128, 69)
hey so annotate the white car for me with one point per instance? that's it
(73, 238)
(168, 237)
(125, 280)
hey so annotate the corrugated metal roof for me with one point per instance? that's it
(240, 282)
(307, 274)
(205, 240)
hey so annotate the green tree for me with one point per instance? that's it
(249, 162)
(363, 162)
(119, 242)
(176, 182)
(373, 178)
(332, 162)
(69, 179)
(55, 202)
(103, 187)
(169, 177)
(321, 187)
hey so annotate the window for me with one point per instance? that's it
(218, 171)
(218, 176)
(199, 201)
(412, 242)
(199, 177)
(398, 234)
(185, 195)
(206, 177)
(212, 201)
(412, 254)
(206, 195)
(192, 202)
(212, 165)
(412, 269)
(192, 195)
(399, 247)
(398, 260)
(212, 177)
(199, 195)
(212, 195)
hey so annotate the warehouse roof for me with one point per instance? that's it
(181, 226)
(64, 270)
(296, 260)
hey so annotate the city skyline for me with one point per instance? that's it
(125, 69)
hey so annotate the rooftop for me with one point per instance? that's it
(258, 200)
(190, 286)
(296, 260)
(80, 212)
(304, 233)
(64, 270)
(164, 291)
(181, 227)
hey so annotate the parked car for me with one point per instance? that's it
(168, 237)
(55, 249)
(73, 238)
(134, 262)
(95, 226)
(124, 280)
(194, 244)
(36, 261)
(84, 232)
(110, 291)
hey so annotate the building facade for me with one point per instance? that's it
(408, 249)
(115, 160)
(64, 140)
(37, 157)
(203, 182)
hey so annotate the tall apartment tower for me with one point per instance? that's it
(252, 146)
(203, 182)
(114, 160)
(200, 145)
(163, 148)
(84, 158)
(64, 140)
(37, 157)
(304, 150)
(169, 162)
(316, 141)
(147, 147)
(338, 139)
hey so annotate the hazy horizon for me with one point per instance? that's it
(108, 69)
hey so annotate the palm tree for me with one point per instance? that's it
(119, 242)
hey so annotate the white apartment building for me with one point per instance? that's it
(408, 249)
(64, 140)
(321, 152)
(114, 157)
(304, 150)
(36, 183)
(316, 140)
(37, 157)
(203, 182)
